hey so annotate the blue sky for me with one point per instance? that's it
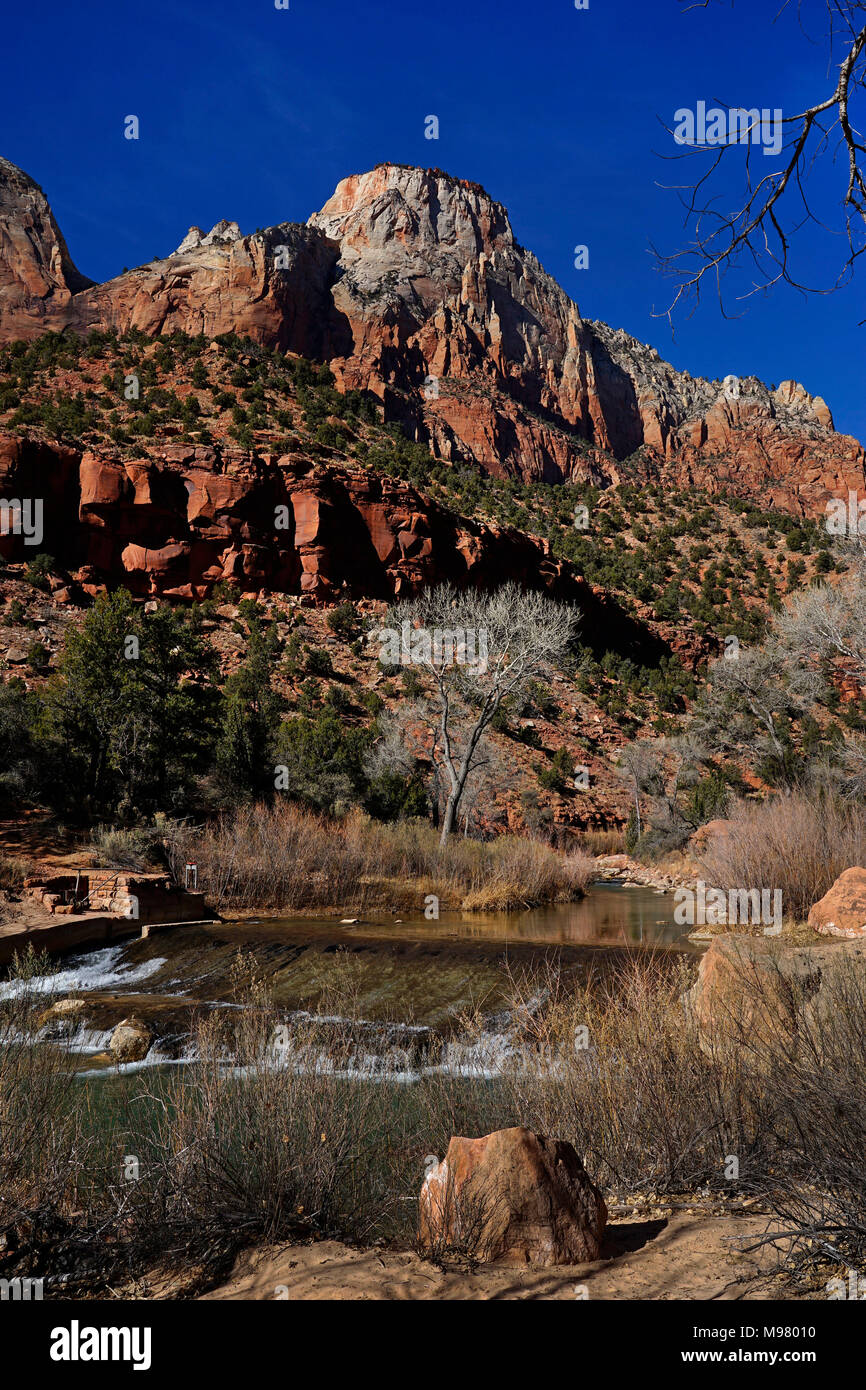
(254, 114)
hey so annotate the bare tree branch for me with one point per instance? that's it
(759, 230)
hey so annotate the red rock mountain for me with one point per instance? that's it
(412, 285)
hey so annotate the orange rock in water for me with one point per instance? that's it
(513, 1196)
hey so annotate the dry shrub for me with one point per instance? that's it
(271, 1134)
(264, 1138)
(796, 843)
(46, 1148)
(805, 1043)
(457, 1223)
(13, 871)
(595, 842)
(657, 1100)
(275, 1135)
(617, 1068)
(580, 872)
(279, 857)
(519, 873)
(135, 847)
(287, 858)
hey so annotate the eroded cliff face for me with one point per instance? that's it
(179, 520)
(273, 288)
(440, 297)
(412, 285)
(485, 352)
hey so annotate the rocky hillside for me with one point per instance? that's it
(234, 463)
(240, 472)
(412, 286)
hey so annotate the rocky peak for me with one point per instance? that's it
(422, 208)
(415, 243)
(796, 399)
(37, 274)
(222, 232)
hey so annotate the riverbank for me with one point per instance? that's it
(687, 1255)
(676, 872)
(285, 859)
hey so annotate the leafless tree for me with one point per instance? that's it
(641, 762)
(398, 745)
(750, 699)
(826, 628)
(474, 649)
(828, 622)
(758, 227)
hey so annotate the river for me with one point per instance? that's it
(395, 983)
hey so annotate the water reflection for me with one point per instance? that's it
(612, 914)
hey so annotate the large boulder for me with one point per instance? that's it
(130, 1041)
(758, 989)
(512, 1196)
(708, 835)
(842, 910)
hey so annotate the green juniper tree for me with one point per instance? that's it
(129, 715)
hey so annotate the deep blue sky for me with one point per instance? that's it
(254, 114)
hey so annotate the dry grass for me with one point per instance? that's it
(288, 859)
(13, 872)
(595, 842)
(257, 1141)
(795, 843)
(46, 1148)
(616, 1068)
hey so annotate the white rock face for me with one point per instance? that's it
(797, 400)
(190, 241)
(223, 231)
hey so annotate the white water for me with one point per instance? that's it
(97, 970)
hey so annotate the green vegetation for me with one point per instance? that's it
(134, 720)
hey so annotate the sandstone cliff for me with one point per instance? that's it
(181, 519)
(37, 276)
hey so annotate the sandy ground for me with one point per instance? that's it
(682, 1257)
(36, 836)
